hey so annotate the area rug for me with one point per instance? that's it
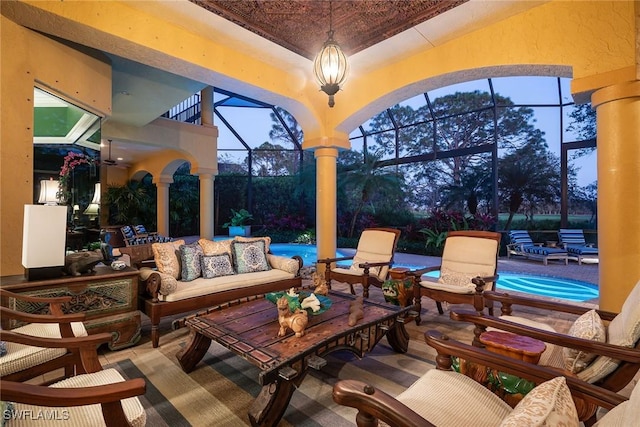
(222, 387)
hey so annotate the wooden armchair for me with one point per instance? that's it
(605, 355)
(469, 267)
(371, 262)
(75, 398)
(444, 398)
(24, 362)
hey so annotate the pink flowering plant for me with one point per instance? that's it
(71, 161)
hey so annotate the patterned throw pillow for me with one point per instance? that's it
(166, 257)
(191, 260)
(216, 266)
(249, 257)
(266, 240)
(3, 348)
(211, 247)
(547, 405)
(355, 265)
(450, 277)
(589, 326)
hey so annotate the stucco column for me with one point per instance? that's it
(206, 105)
(206, 205)
(326, 205)
(618, 124)
(162, 205)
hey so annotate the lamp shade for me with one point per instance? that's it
(43, 236)
(96, 194)
(92, 210)
(48, 192)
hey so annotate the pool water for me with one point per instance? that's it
(548, 286)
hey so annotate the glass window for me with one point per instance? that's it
(528, 90)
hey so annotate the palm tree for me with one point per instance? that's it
(365, 181)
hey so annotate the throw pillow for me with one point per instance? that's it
(357, 260)
(589, 326)
(249, 257)
(191, 260)
(289, 265)
(216, 266)
(450, 277)
(211, 247)
(3, 348)
(549, 404)
(266, 240)
(166, 257)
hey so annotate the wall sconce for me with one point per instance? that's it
(93, 210)
(49, 192)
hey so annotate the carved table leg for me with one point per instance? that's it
(267, 409)
(193, 352)
(398, 337)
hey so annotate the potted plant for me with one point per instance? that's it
(238, 223)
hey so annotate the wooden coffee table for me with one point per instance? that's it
(249, 327)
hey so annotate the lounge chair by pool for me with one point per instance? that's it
(521, 244)
(577, 247)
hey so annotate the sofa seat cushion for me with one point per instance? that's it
(88, 415)
(201, 286)
(20, 357)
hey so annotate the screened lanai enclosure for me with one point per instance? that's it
(508, 152)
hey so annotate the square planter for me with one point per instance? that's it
(240, 230)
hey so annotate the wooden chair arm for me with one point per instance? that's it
(49, 300)
(332, 260)
(63, 397)
(41, 318)
(373, 404)
(421, 271)
(447, 348)
(374, 264)
(70, 343)
(508, 300)
(482, 321)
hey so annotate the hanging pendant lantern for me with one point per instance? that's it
(330, 65)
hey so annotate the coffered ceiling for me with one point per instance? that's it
(302, 26)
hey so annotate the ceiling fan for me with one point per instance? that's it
(109, 161)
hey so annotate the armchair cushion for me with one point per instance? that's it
(217, 265)
(623, 330)
(589, 326)
(374, 246)
(470, 255)
(448, 398)
(166, 258)
(548, 404)
(88, 415)
(20, 356)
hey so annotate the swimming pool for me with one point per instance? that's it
(554, 287)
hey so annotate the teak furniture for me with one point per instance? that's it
(249, 328)
(517, 346)
(108, 298)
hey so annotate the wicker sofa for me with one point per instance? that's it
(166, 292)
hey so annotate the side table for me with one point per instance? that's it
(518, 347)
(108, 298)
